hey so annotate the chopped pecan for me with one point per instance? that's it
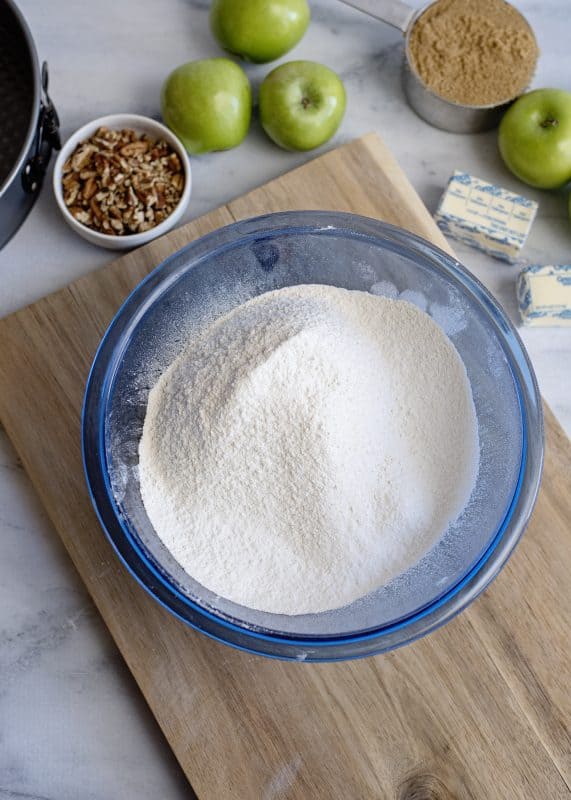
(71, 192)
(89, 188)
(82, 156)
(177, 182)
(173, 162)
(117, 225)
(134, 148)
(95, 209)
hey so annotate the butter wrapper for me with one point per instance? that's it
(485, 216)
(544, 295)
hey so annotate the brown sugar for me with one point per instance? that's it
(474, 52)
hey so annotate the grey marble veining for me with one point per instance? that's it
(72, 725)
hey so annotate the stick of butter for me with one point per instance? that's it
(485, 216)
(544, 295)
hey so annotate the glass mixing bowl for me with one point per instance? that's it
(224, 269)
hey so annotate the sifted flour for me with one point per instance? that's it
(308, 447)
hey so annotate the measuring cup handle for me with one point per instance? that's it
(393, 12)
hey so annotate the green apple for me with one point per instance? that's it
(535, 138)
(301, 104)
(259, 30)
(208, 104)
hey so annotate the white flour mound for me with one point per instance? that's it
(308, 447)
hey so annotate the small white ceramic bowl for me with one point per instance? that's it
(141, 125)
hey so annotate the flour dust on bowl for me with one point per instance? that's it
(200, 303)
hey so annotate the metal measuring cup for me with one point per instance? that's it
(441, 113)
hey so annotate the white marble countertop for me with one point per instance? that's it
(72, 722)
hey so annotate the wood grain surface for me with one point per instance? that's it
(479, 709)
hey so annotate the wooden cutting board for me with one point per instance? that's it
(479, 709)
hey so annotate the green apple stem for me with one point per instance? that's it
(549, 123)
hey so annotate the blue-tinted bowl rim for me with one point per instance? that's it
(323, 222)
